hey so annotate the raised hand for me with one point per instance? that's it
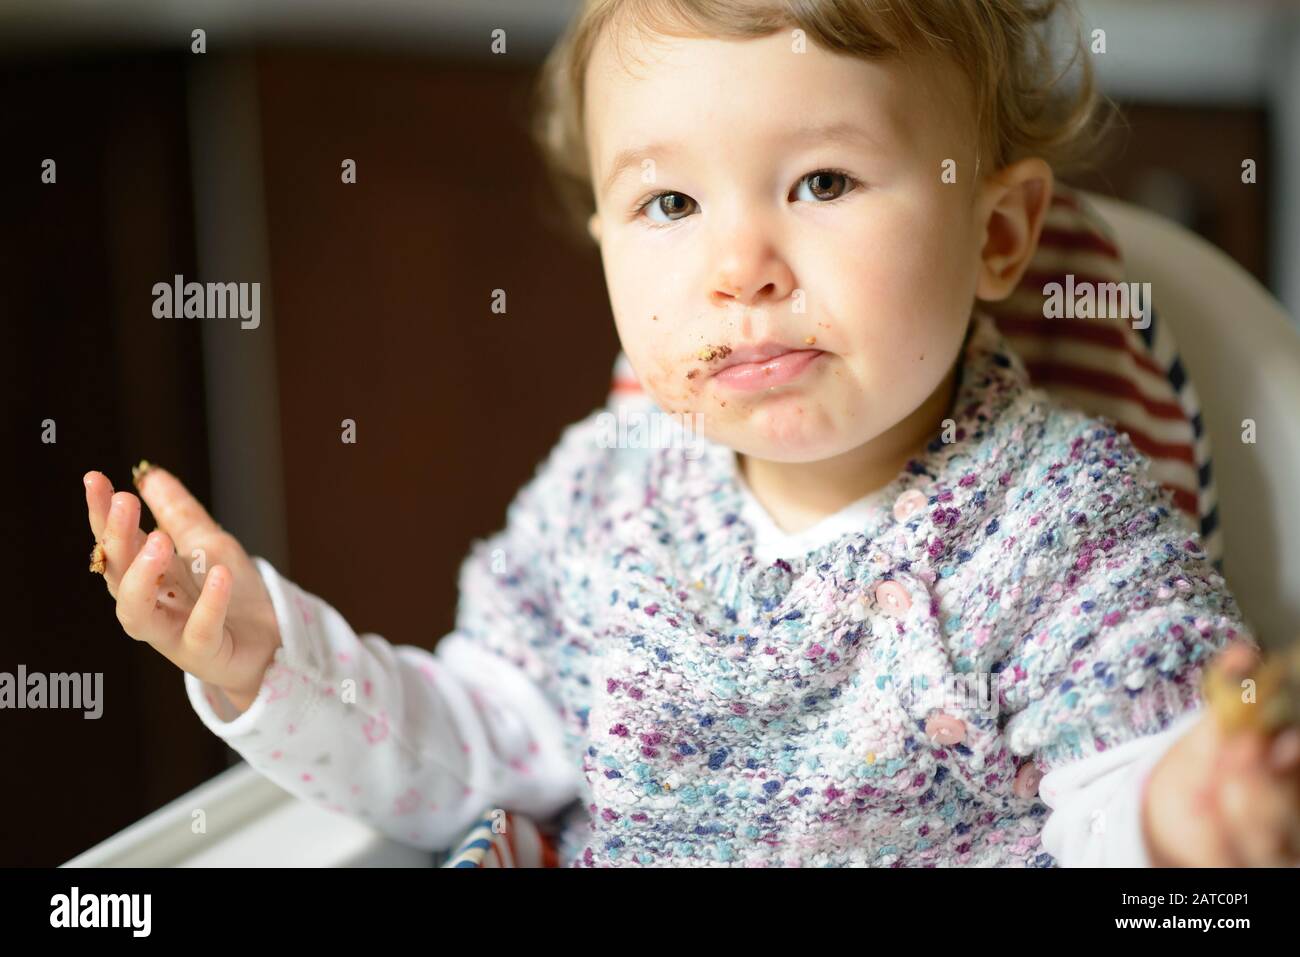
(219, 626)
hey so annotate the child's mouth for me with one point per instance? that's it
(766, 373)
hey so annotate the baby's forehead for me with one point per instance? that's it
(643, 89)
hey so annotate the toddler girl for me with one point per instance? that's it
(891, 606)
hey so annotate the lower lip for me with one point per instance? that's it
(755, 376)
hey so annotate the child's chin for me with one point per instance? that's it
(789, 448)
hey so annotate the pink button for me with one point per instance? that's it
(893, 597)
(945, 729)
(1027, 778)
(909, 503)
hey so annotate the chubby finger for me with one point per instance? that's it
(204, 632)
(137, 593)
(1238, 659)
(177, 511)
(122, 538)
(1255, 804)
(1284, 751)
(99, 495)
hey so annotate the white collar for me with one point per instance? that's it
(772, 542)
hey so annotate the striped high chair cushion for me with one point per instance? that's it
(501, 839)
(1110, 363)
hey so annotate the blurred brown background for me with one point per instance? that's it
(376, 307)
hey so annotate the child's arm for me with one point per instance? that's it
(1132, 611)
(416, 744)
(420, 743)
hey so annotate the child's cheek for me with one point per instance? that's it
(674, 388)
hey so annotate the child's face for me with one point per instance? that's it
(877, 273)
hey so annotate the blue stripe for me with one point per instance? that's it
(1176, 375)
(1210, 522)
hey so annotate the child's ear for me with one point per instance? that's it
(593, 227)
(1013, 205)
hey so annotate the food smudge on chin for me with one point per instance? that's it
(709, 353)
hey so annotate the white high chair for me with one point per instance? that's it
(1243, 356)
(1242, 353)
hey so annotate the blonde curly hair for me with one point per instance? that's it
(1026, 104)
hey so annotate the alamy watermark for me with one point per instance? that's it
(974, 692)
(209, 300)
(1098, 300)
(635, 429)
(130, 911)
(38, 690)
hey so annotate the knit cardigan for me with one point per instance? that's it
(1021, 597)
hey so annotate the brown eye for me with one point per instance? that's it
(668, 204)
(826, 185)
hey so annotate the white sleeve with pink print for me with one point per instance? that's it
(414, 743)
(1096, 803)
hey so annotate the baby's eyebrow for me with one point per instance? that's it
(840, 131)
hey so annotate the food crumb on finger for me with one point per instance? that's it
(138, 472)
(98, 559)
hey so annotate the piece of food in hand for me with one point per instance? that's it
(1273, 701)
(97, 559)
(138, 471)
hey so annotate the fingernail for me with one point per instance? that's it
(154, 547)
(138, 472)
(85, 480)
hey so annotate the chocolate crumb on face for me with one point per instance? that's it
(97, 559)
(811, 340)
(693, 373)
(171, 594)
(709, 353)
(160, 579)
(654, 318)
